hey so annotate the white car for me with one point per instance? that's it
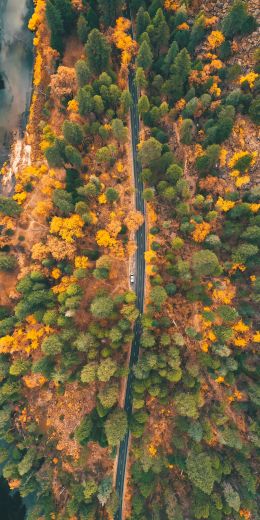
(132, 278)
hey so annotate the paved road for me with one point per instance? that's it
(139, 288)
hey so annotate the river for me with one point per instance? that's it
(16, 64)
(16, 68)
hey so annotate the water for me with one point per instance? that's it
(16, 63)
(16, 66)
(11, 504)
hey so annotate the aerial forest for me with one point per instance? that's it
(129, 378)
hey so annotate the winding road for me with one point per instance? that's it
(139, 289)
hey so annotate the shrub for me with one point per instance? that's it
(254, 111)
(177, 243)
(9, 207)
(7, 262)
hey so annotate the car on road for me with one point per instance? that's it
(132, 278)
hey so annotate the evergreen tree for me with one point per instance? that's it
(143, 105)
(83, 73)
(67, 13)
(98, 52)
(142, 21)
(56, 26)
(145, 56)
(238, 21)
(82, 28)
(72, 132)
(171, 55)
(182, 65)
(159, 33)
(85, 101)
(120, 132)
(110, 10)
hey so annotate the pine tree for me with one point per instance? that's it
(110, 10)
(142, 21)
(56, 27)
(83, 73)
(82, 28)
(182, 65)
(145, 56)
(67, 13)
(160, 33)
(98, 52)
(171, 54)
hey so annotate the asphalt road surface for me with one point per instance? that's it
(139, 289)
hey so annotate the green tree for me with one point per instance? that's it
(125, 102)
(120, 132)
(232, 497)
(106, 370)
(159, 31)
(102, 307)
(187, 131)
(9, 207)
(85, 342)
(186, 405)
(142, 21)
(145, 56)
(182, 65)
(110, 10)
(112, 195)
(82, 72)
(200, 471)
(254, 111)
(105, 489)
(54, 156)
(89, 372)
(158, 296)
(85, 101)
(7, 262)
(63, 200)
(67, 13)
(82, 28)
(90, 489)
(98, 52)
(149, 151)
(106, 154)
(143, 105)
(56, 26)
(108, 395)
(83, 431)
(238, 21)
(205, 263)
(148, 194)
(140, 79)
(244, 252)
(27, 461)
(171, 55)
(73, 156)
(116, 427)
(73, 133)
(52, 345)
